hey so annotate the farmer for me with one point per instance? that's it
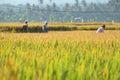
(44, 28)
(25, 26)
(101, 29)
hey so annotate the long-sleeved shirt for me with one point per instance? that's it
(99, 30)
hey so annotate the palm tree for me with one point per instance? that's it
(77, 3)
(54, 6)
(115, 4)
(84, 4)
(67, 6)
(50, 1)
(41, 1)
(28, 10)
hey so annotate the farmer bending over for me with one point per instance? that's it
(101, 29)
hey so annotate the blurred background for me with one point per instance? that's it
(60, 10)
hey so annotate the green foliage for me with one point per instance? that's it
(52, 12)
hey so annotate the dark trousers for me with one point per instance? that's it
(45, 29)
(25, 28)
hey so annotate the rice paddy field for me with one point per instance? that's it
(80, 54)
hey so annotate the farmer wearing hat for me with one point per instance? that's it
(44, 28)
(101, 29)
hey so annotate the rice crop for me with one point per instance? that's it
(56, 26)
(59, 55)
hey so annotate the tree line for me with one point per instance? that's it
(80, 11)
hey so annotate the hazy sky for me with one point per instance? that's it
(46, 1)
